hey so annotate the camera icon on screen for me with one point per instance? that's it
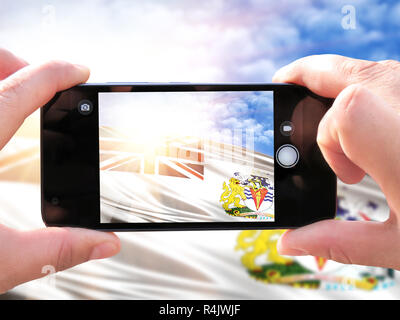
(85, 107)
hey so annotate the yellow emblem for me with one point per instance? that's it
(258, 242)
(232, 194)
(263, 262)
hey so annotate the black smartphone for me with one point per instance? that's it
(184, 156)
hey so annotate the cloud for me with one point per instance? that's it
(210, 41)
(250, 112)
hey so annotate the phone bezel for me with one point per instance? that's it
(60, 118)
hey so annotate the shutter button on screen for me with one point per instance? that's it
(287, 156)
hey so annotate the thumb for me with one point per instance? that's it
(351, 242)
(9, 63)
(30, 88)
(27, 253)
(361, 134)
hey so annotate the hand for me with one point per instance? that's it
(23, 254)
(359, 134)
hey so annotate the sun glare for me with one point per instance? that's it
(153, 125)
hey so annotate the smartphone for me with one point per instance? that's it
(184, 156)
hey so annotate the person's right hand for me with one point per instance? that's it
(359, 134)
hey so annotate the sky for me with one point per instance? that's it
(206, 41)
(226, 117)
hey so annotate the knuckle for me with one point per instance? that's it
(337, 254)
(371, 74)
(347, 109)
(393, 64)
(9, 90)
(350, 98)
(358, 69)
(354, 93)
(64, 252)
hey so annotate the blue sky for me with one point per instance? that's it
(376, 36)
(227, 117)
(251, 113)
(177, 40)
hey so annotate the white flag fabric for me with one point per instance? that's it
(197, 264)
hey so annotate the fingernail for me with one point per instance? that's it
(292, 252)
(103, 250)
(81, 67)
(279, 75)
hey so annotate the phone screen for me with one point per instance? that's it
(186, 156)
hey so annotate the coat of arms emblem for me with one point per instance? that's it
(259, 255)
(250, 196)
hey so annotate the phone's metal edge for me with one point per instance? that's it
(41, 174)
(41, 166)
(187, 84)
(200, 227)
(261, 85)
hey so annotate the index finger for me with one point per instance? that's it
(328, 74)
(9, 63)
(30, 88)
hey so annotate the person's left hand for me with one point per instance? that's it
(23, 254)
